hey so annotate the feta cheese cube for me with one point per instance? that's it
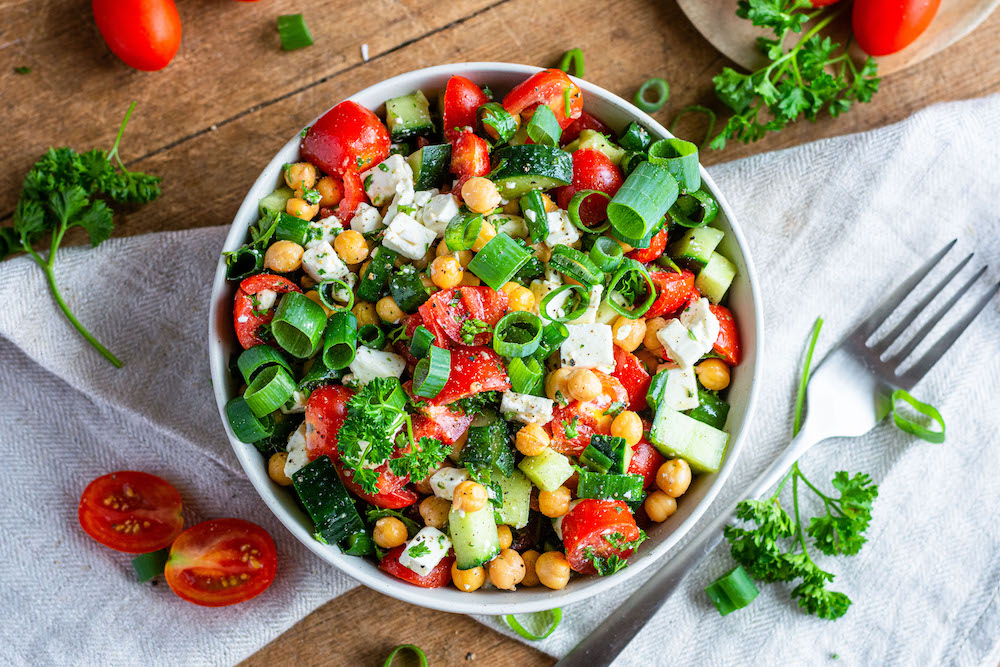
(423, 197)
(702, 323)
(369, 364)
(438, 212)
(322, 263)
(681, 347)
(526, 408)
(324, 230)
(444, 481)
(588, 346)
(561, 230)
(408, 237)
(297, 456)
(512, 225)
(681, 390)
(265, 299)
(425, 550)
(589, 316)
(366, 219)
(390, 177)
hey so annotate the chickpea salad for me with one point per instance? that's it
(485, 339)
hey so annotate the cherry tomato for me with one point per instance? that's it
(473, 371)
(728, 342)
(450, 313)
(438, 577)
(145, 34)
(247, 319)
(470, 156)
(592, 170)
(221, 562)
(887, 26)
(441, 422)
(584, 122)
(590, 528)
(635, 379)
(392, 490)
(346, 138)
(584, 417)
(354, 194)
(657, 245)
(646, 461)
(674, 291)
(460, 102)
(129, 511)
(546, 87)
(326, 410)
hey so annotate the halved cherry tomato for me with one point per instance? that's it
(470, 156)
(592, 170)
(130, 511)
(145, 34)
(887, 26)
(449, 309)
(247, 320)
(473, 371)
(635, 379)
(585, 122)
(354, 194)
(438, 577)
(546, 87)
(585, 417)
(346, 138)
(657, 245)
(459, 104)
(728, 342)
(589, 529)
(441, 422)
(221, 562)
(674, 291)
(646, 461)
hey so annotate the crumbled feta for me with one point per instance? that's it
(526, 408)
(425, 550)
(324, 230)
(322, 263)
(369, 364)
(511, 225)
(589, 316)
(588, 346)
(438, 212)
(444, 481)
(297, 456)
(366, 219)
(561, 230)
(393, 176)
(681, 347)
(422, 197)
(702, 323)
(297, 403)
(681, 390)
(265, 299)
(408, 237)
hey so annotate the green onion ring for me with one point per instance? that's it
(573, 211)
(705, 207)
(697, 108)
(298, 324)
(340, 340)
(583, 302)
(371, 336)
(680, 159)
(330, 290)
(575, 264)
(421, 342)
(528, 327)
(406, 647)
(244, 262)
(432, 372)
(271, 389)
(572, 58)
(530, 636)
(607, 254)
(462, 231)
(659, 87)
(257, 358)
(525, 376)
(247, 427)
(912, 427)
(628, 266)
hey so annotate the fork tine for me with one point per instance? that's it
(926, 362)
(886, 342)
(875, 320)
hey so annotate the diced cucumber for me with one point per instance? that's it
(520, 169)
(430, 166)
(547, 470)
(697, 245)
(327, 501)
(516, 495)
(595, 459)
(714, 279)
(676, 434)
(610, 487)
(711, 409)
(408, 115)
(275, 202)
(474, 537)
(594, 140)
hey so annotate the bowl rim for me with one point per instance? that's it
(370, 576)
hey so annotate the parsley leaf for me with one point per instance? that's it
(605, 565)
(471, 328)
(418, 550)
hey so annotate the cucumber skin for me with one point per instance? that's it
(697, 245)
(474, 537)
(414, 112)
(530, 167)
(429, 165)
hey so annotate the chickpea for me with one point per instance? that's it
(627, 425)
(506, 570)
(520, 299)
(713, 373)
(649, 339)
(549, 204)
(300, 175)
(446, 272)
(531, 440)
(554, 504)
(505, 536)
(389, 532)
(276, 469)
(388, 310)
(552, 569)
(313, 296)
(434, 511)
(513, 207)
(283, 257)
(628, 334)
(509, 287)
(530, 557)
(486, 234)
(659, 506)
(583, 385)
(556, 382)
(365, 312)
(428, 284)
(306, 282)
(468, 580)
(351, 246)
(480, 195)
(674, 477)
(471, 279)
(469, 496)
(542, 252)
(649, 360)
(329, 191)
(300, 208)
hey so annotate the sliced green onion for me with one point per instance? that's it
(657, 386)
(421, 342)
(336, 294)
(432, 372)
(298, 324)
(293, 32)
(660, 91)
(641, 242)
(668, 263)
(499, 260)
(497, 122)
(245, 424)
(517, 334)
(150, 565)
(680, 158)
(694, 209)
(371, 336)
(463, 230)
(543, 128)
(582, 303)
(525, 376)
(630, 161)
(642, 200)
(537, 631)
(258, 358)
(244, 262)
(595, 459)
(572, 59)
(538, 220)
(573, 211)
(697, 108)
(912, 427)
(290, 228)
(733, 590)
(406, 647)
(606, 254)
(553, 336)
(576, 265)
(340, 340)
(272, 387)
(635, 138)
(631, 266)
(800, 396)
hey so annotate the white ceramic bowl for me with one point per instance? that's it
(744, 302)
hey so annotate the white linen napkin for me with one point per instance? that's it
(832, 225)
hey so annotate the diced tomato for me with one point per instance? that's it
(461, 101)
(585, 417)
(635, 379)
(584, 122)
(546, 87)
(592, 170)
(646, 461)
(449, 309)
(589, 529)
(473, 371)
(440, 421)
(354, 194)
(246, 318)
(674, 291)
(392, 490)
(346, 138)
(728, 342)
(470, 156)
(438, 577)
(131, 511)
(657, 245)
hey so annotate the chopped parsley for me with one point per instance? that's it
(472, 328)
(418, 550)
(570, 427)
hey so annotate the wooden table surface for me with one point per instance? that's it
(211, 121)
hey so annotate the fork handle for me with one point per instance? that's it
(609, 639)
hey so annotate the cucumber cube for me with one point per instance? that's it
(676, 435)
(516, 495)
(714, 279)
(547, 470)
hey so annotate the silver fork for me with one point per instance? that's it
(853, 384)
